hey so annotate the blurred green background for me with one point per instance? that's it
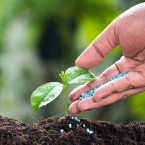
(40, 38)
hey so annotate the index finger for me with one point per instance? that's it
(103, 78)
(98, 49)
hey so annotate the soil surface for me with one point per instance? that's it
(47, 132)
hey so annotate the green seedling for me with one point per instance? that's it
(50, 91)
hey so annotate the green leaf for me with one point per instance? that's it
(45, 94)
(78, 75)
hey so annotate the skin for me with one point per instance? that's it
(128, 31)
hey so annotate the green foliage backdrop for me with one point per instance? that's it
(40, 38)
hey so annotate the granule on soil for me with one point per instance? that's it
(47, 132)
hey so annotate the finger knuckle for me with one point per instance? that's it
(130, 85)
(104, 78)
(113, 88)
(124, 97)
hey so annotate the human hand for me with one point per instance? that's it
(128, 31)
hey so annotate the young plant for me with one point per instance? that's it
(48, 92)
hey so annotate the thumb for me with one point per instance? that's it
(98, 49)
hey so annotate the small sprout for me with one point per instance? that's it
(48, 92)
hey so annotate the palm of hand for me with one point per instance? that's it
(128, 30)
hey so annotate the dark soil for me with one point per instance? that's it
(48, 132)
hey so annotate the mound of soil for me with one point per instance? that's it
(48, 132)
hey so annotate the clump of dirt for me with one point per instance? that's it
(48, 132)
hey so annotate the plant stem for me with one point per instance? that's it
(64, 89)
(63, 75)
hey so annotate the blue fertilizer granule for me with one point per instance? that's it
(84, 125)
(61, 130)
(89, 131)
(70, 125)
(91, 92)
(75, 119)
(72, 117)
